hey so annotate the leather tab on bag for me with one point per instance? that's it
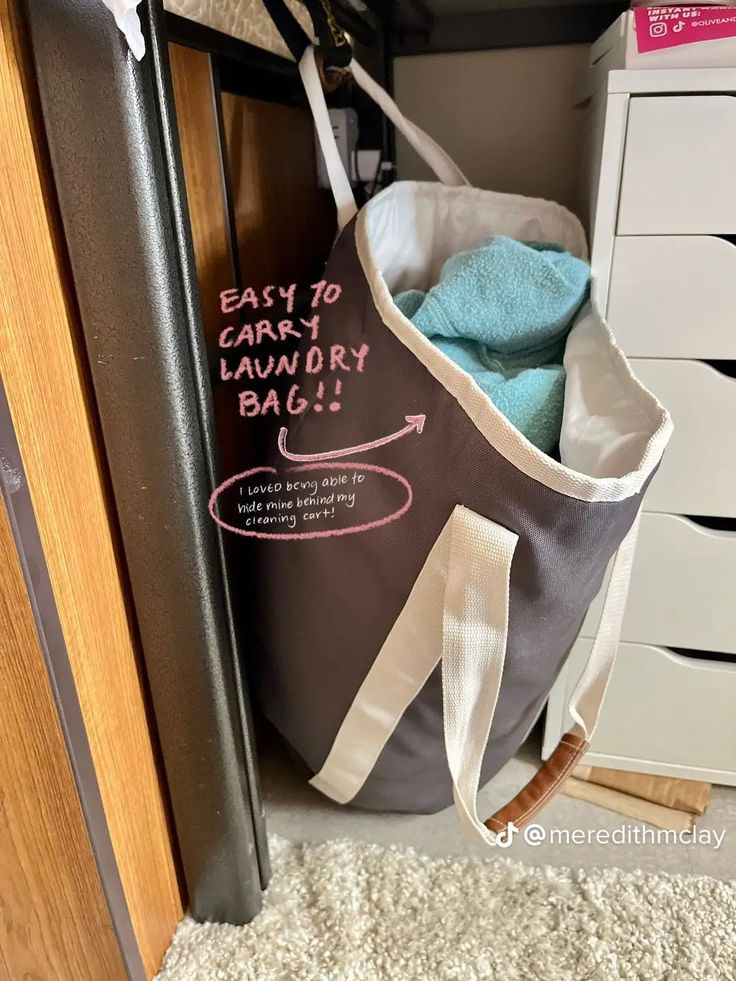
(542, 787)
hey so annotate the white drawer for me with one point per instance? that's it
(698, 472)
(674, 296)
(683, 587)
(678, 174)
(662, 713)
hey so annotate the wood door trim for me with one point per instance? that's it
(199, 137)
(47, 391)
(55, 922)
(14, 488)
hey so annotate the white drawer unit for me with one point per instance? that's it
(664, 713)
(678, 174)
(683, 587)
(698, 473)
(663, 252)
(674, 296)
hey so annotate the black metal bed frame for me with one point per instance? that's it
(505, 24)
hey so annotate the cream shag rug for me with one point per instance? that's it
(345, 911)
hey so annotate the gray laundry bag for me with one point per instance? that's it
(406, 658)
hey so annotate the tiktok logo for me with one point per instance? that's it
(505, 837)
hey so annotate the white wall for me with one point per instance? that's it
(505, 116)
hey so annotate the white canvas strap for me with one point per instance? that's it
(433, 155)
(458, 611)
(444, 168)
(339, 182)
(408, 656)
(587, 698)
(474, 632)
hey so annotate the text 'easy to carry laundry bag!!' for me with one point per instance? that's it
(422, 569)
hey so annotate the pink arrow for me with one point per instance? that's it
(414, 423)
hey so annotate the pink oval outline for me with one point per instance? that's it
(303, 535)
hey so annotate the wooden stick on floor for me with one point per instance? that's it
(632, 807)
(684, 795)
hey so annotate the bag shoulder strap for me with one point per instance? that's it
(444, 168)
(342, 190)
(457, 613)
(586, 700)
(436, 158)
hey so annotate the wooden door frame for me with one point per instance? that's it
(66, 539)
(53, 764)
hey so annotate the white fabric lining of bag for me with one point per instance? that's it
(614, 430)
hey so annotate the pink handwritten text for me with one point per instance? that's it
(251, 350)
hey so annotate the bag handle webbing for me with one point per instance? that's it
(336, 52)
(342, 190)
(586, 700)
(475, 625)
(436, 158)
(461, 594)
(441, 164)
(458, 613)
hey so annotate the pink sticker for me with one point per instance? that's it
(668, 27)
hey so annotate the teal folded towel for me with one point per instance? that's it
(502, 313)
(532, 399)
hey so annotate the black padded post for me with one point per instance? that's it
(115, 160)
